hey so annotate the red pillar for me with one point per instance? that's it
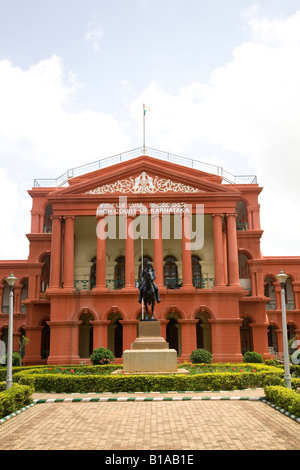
(218, 250)
(100, 333)
(129, 332)
(188, 337)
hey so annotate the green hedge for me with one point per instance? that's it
(61, 383)
(14, 399)
(284, 398)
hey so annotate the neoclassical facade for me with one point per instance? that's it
(91, 234)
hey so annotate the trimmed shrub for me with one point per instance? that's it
(14, 399)
(284, 398)
(252, 357)
(97, 383)
(199, 356)
(101, 356)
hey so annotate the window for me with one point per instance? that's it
(170, 273)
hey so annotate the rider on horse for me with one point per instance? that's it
(148, 270)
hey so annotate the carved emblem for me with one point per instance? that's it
(144, 184)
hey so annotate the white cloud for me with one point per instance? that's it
(94, 35)
(251, 106)
(15, 218)
(35, 123)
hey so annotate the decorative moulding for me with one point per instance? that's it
(144, 184)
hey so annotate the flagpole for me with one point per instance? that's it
(142, 251)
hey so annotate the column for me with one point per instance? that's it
(218, 250)
(68, 280)
(186, 253)
(17, 299)
(233, 266)
(129, 332)
(158, 250)
(129, 256)
(55, 267)
(100, 333)
(188, 337)
(101, 256)
(260, 339)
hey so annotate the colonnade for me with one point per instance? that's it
(225, 253)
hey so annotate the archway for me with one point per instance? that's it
(203, 331)
(246, 336)
(45, 340)
(272, 339)
(173, 332)
(115, 334)
(85, 335)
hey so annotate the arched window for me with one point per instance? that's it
(119, 278)
(45, 276)
(47, 219)
(196, 271)
(170, 272)
(244, 272)
(269, 291)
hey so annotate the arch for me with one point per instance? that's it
(269, 291)
(114, 309)
(85, 310)
(203, 309)
(173, 309)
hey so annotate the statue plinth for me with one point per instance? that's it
(150, 353)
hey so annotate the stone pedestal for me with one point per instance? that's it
(150, 353)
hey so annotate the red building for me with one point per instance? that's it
(197, 224)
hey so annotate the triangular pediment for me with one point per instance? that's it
(145, 175)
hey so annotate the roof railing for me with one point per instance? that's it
(63, 179)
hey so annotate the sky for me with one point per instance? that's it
(221, 78)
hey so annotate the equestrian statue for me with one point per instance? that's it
(148, 289)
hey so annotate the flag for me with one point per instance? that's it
(146, 109)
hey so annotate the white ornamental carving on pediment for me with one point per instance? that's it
(144, 184)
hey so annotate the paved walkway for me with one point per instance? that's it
(237, 420)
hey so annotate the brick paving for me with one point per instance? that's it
(196, 424)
